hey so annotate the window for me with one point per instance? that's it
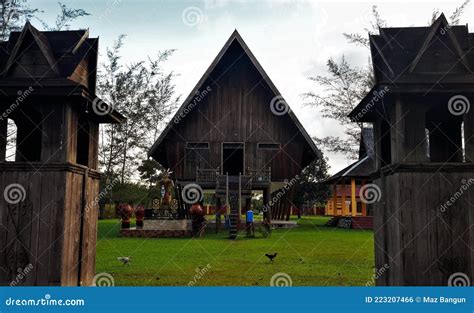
(22, 137)
(268, 146)
(197, 145)
(446, 136)
(82, 149)
(10, 141)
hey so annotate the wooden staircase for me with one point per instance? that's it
(234, 190)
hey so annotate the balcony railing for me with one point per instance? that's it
(263, 175)
(211, 175)
(207, 174)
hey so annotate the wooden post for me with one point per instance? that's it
(353, 198)
(227, 190)
(266, 201)
(334, 200)
(248, 203)
(469, 135)
(3, 139)
(218, 214)
(240, 196)
(343, 204)
(364, 205)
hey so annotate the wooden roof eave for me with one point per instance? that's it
(346, 173)
(356, 114)
(112, 117)
(70, 90)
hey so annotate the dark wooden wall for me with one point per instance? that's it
(237, 109)
(55, 228)
(422, 242)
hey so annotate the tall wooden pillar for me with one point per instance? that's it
(353, 198)
(50, 194)
(334, 199)
(343, 198)
(469, 134)
(218, 214)
(422, 202)
(364, 204)
(3, 139)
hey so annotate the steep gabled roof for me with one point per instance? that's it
(64, 52)
(440, 22)
(235, 37)
(42, 43)
(435, 59)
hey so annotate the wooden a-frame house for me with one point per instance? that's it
(233, 122)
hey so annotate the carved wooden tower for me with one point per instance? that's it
(49, 181)
(424, 135)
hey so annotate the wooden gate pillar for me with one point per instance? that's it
(424, 180)
(49, 194)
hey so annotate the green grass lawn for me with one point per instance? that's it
(311, 254)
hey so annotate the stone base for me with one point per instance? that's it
(154, 233)
(167, 225)
(160, 229)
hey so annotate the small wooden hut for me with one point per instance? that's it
(347, 185)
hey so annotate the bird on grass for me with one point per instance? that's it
(271, 256)
(125, 260)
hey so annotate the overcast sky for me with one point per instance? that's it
(291, 39)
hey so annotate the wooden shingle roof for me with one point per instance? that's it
(71, 60)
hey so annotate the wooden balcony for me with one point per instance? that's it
(260, 176)
(207, 174)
